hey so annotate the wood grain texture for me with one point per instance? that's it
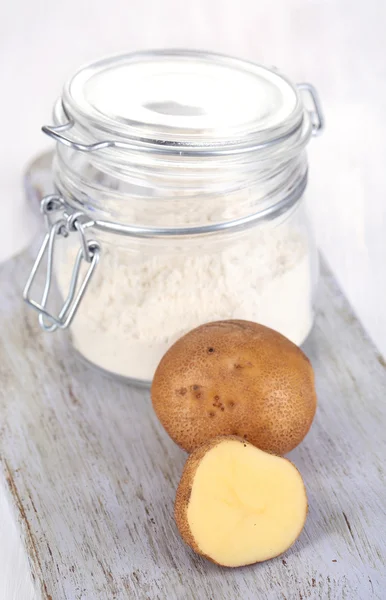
(91, 476)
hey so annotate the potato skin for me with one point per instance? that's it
(184, 491)
(235, 378)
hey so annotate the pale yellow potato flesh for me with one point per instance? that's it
(246, 506)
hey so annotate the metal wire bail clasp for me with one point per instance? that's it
(89, 252)
(316, 113)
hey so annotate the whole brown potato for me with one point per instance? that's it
(235, 378)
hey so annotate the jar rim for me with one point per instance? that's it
(279, 118)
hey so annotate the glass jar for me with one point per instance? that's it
(179, 199)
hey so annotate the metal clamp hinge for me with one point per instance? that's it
(316, 113)
(89, 252)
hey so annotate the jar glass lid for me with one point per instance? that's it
(183, 98)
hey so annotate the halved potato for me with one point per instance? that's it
(237, 505)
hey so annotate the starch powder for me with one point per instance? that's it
(142, 297)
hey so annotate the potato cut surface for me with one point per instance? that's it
(245, 505)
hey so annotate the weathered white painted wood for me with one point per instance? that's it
(91, 475)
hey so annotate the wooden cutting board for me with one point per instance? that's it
(91, 476)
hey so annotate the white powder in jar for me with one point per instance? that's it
(140, 301)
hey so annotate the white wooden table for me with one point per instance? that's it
(91, 475)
